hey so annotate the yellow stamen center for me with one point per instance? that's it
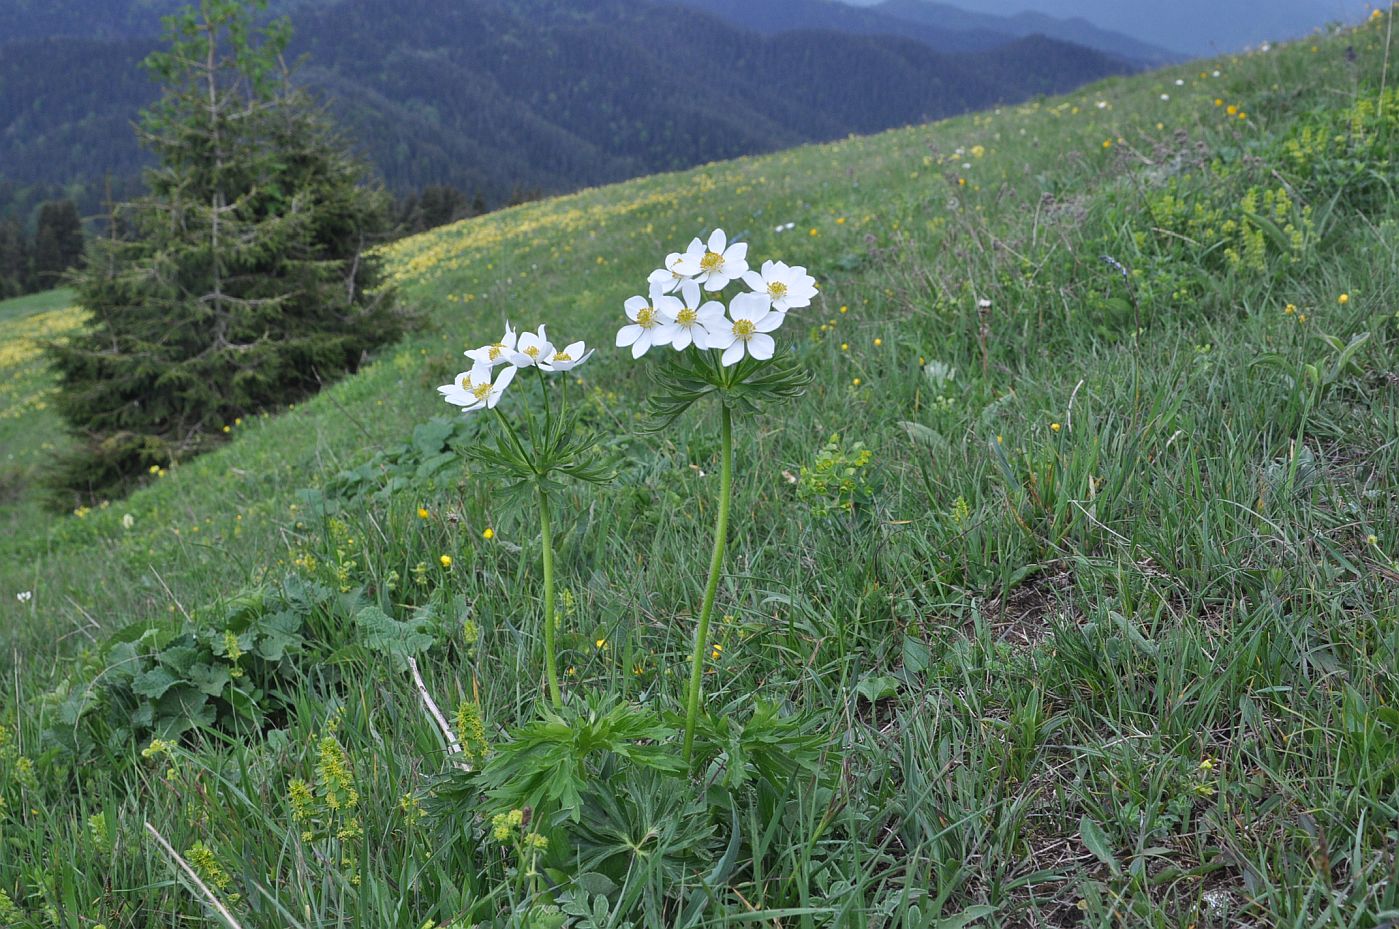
(686, 317)
(562, 356)
(712, 261)
(646, 317)
(777, 290)
(480, 391)
(532, 351)
(743, 328)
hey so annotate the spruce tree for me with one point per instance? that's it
(14, 259)
(243, 279)
(58, 243)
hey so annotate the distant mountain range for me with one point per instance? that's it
(1195, 27)
(940, 26)
(498, 97)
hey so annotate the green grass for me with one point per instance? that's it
(17, 307)
(1107, 636)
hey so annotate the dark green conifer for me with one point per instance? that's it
(58, 243)
(245, 278)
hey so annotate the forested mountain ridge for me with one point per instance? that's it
(496, 97)
(940, 26)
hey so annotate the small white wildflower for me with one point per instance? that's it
(788, 288)
(24, 596)
(495, 353)
(648, 319)
(473, 390)
(715, 263)
(745, 332)
(127, 521)
(531, 349)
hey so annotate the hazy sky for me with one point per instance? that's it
(1198, 27)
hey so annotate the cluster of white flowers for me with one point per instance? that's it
(479, 388)
(681, 321)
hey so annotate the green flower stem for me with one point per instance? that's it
(551, 666)
(716, 563)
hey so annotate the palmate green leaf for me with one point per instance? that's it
(549, 763)
(380, 632)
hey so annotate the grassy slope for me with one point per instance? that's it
(28, 428)
(1178, 573)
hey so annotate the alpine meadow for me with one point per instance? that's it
(986, 523)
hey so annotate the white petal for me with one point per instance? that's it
(642, 344)
(505, 378)
(716, 280)
(717, 241)
(681, 339)
(769, 321)
(736, 252)
(628, 335)
(754, 280)
(667, 306)
(690, 293)
(748, 306)
(733, 354)
(720, 336)
(709, 311)
(761, 346)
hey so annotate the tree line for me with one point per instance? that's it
(33, 263)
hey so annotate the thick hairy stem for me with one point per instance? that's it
(716, 564)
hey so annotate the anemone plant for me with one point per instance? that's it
(531, 458)
(725, 352)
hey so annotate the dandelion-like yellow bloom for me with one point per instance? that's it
(488, 534)
(1055, 427)
(844, 309)
(1343, 299)
(423, 513)
(855, 382)
(1289, 309)
(878, 342)
(1231, 109)
(845, 346)
(446, 561)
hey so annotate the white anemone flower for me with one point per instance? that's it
(668, 278)
(497, 352)
(715, 263)
(789, 288)
(473, 390)
(648, 319)
(691, 320)
(530, 349)
(570, 356)
(745, 332)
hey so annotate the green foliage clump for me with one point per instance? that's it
(243, 280)
(836, 482)
(222, 667)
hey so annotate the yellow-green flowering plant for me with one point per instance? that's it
(531, 451)
(728, 352)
